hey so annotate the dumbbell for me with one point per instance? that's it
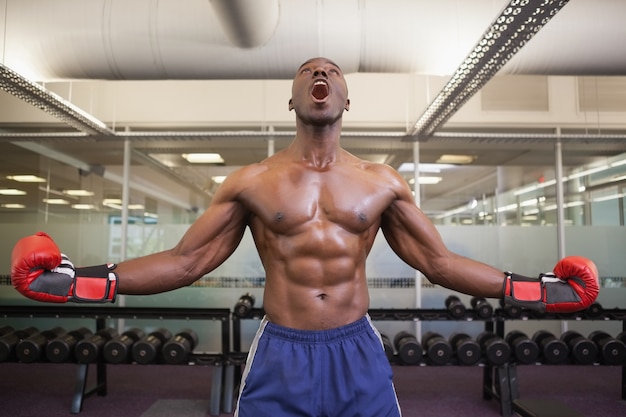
(148, 348)
(481, 307)
(118, 349)
(6, 330)
(33, 347)
(494, 348)
(178, 348)
(511, 311)
(9, 341)
(595, 310)
(244, 305)
(456, 309)
(388, 346)
(524, 349)
(553, 351)
(467, 350)
(408, 348)
(437, 349)
(61, 348)
(89, 350)
(582, 350)
(612, 351)
(622, 337)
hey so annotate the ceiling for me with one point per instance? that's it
(215, 74)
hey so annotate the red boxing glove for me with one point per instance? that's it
(39, 271)
(572, 287)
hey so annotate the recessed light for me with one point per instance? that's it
(203, 158)
(55, 201)
(78, 193)
(455, 159)
(82, 206)
(218, 179)
(26, 178)
(11, 191)
(13, 206)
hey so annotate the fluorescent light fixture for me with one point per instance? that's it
(11, 191)
(203, 158)
(587, 172)
(78, 193)
(218, 179)
(13, 206)
(55, 201)
(432, 168)
(26, 178)
(82, 206)
(426, 180)
(455, 159)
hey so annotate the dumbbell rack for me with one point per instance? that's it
(505, 377)
(499, 383)
(101, 314)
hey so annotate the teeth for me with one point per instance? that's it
(320, 82)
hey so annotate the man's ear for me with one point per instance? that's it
(347, 106)
(290, 104)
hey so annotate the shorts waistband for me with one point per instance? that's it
(319, 336)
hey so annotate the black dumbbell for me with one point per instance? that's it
(494, 348)
(178, 348)
(481, 307)
(33, 347)
(118, 349)
(511, 311)
(61, 348)
(553, 350)
(524, 349)
(582, 350)
(148, 348)
(467, 350)
(438, 350)
(408, 348)
(388, 346)
(456, 309)
(244, 305)
(621, 336)
(6, 330)
(595, 310)
(9, 341)
(612, 350)
(89, 350)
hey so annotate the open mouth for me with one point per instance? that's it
(320, 90)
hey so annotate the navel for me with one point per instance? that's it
(322, 296)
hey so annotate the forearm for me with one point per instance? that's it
(466, 276)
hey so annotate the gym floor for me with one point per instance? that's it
(46, 390)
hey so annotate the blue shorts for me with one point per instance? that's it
(341, 372)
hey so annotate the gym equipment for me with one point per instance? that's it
(595, 310)
(582, 350)
(467, 350)
(408, 348)
(481, 307)
(612, 351)
(177, 349)
(388, 346)
(437, 349)
(511, 310)
(61, 348)
(33, 347)
(89, 349)
(244, 305)
(525, 350)
(456, 309)
(621, 336)
(494, 348)
(553, 351)
(148, 348)
(117, 350)
(9, 341)
(6, 330)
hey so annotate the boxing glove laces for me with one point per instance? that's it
(572, 286)
(40, 271)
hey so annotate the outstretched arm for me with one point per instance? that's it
(416, 240)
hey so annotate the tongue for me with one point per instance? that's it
(320, 91)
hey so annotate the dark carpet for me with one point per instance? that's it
(46, 390)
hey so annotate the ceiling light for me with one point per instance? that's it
(218, 179)
(203, 158)
(434, 168)
(78, 193)
(11, 191)
(55, 201)
(82, 206)
(455, 159)
(26, 178)
(426, 180)
(13, 206)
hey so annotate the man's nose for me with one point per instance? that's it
(319, 72)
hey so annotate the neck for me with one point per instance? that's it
(318, 146)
